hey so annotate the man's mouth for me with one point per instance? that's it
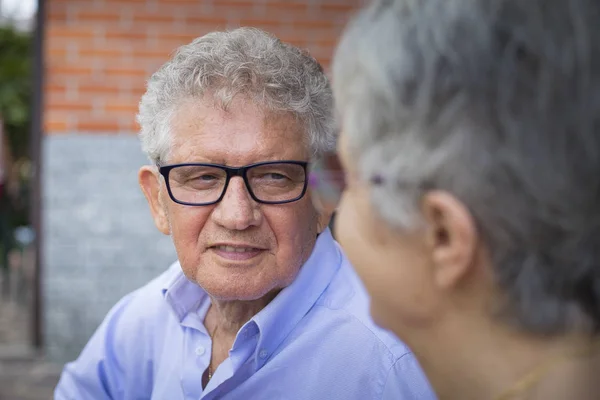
(235, 249)
(236, 252)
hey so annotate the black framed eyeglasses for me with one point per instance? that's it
(270, 182)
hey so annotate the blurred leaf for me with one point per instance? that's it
(16, 87)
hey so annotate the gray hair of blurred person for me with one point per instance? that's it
(498, 103)
(246, 61)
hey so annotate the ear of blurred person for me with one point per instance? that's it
(451, 238)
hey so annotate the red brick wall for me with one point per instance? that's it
(98, 53)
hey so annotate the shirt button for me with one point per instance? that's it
(200, 350)
(263, 354)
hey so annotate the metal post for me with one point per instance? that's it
(36, 158)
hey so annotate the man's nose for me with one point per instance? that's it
(237, 210)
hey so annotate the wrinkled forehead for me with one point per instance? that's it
(242, 132)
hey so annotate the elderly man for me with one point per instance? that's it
(262, 304)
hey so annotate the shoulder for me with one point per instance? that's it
(143, 310)
(153, 291)
(117, 360)
(346, 296)
(352, 338)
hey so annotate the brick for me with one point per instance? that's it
(206, 19)
(100, 53)
(141, 54)
(56, 115)
(69, 44)
(116, 34)
(123, 71)
(168, 46)
(58, 104)
(88, 88)
(285, 5)
(146, 18)
(57, 15)
(54, 87)
(97, 64)
(177, 2)
(57, 53)
(55, 5)
(260, 22)
(69, 70)
(340, 7)
(241, 10)
(54, 42)
(316, 33)
(309, 41)
(98, 16)
(178, 37)
(340, 19)
(330, 42)
(55, 126)
(122, 107)
(97, 125)
(70, 32)
(139, 90)
(236, 3)
(312, 24)
(65, 2)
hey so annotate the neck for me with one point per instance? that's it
(483, 362)
(229, 316)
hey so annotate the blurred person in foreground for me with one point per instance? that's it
(471, 146)
(262, 304)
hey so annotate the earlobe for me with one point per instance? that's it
(323, 220)
(149, 181)
(451, 237)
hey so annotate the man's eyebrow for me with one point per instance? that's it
(187, 171)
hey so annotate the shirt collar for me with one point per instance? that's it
(180, 294)
(278, 318)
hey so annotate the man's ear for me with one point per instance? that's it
(149, 180)
(451, 237)
(323, 220)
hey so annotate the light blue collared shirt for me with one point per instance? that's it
(314, 341)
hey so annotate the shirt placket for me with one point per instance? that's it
(198, 350)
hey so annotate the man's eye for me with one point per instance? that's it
(204, 180)
(274, 176)
(206, 177)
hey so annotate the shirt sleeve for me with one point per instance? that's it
(98, 373)
(406, 381)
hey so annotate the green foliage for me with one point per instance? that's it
(16, 87)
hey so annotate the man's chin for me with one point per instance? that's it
(243, 291)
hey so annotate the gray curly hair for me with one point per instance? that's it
(245, 61)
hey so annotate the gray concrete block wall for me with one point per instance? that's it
(99, 240)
